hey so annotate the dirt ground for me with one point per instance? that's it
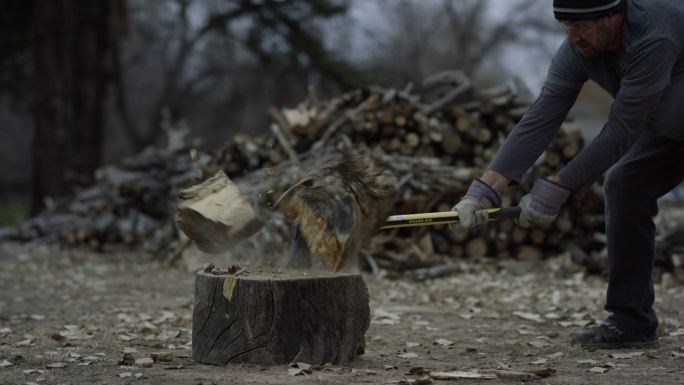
(69, 317)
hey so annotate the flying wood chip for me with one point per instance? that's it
(215, 214)
(338, 205)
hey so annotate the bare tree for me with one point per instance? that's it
(470, 35)
(72, 56)
(204, 53)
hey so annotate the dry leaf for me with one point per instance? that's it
(528, 316)
(544, 372)
(555, 355)
(625, 356)
(587, 363)
(5, 330)
(423, 380)
(383, 317)
(125, 374)
(537, 343)
(457, 375)
(389, 367)
(58, 337)
(169, 334)
(407, 355)
(5, 363)
(677, 333)
(443, 342)
(677, 354)
(303, 365)
(148, 327)
(162, 356)
(598, 370)
(144, 362)
(412, 344)
(296, 372)
(56, 365)
(541, 361)
(418, 371)
(515, 376)
(26, 342)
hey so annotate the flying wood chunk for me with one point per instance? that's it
(215, 214)
(337, 206)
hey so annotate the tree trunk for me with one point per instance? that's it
(269, 319)
(72, 57)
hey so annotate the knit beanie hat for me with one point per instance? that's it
(585, 9)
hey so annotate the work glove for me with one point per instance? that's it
(541, 205)
(472, 208)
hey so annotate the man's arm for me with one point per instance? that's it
(530, 137)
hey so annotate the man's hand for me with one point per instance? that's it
(541, 205)
(472, 209)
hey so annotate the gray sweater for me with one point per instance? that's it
(646, 78)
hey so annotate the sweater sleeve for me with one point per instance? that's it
(532, 134)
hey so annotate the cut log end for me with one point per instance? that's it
(270, 319)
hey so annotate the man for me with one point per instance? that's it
(632, 49)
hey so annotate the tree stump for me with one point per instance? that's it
(278, 319)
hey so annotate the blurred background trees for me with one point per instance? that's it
(84, 84)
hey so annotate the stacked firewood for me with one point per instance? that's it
(434, 143)
(130, 206)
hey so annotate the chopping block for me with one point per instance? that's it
(279, 318)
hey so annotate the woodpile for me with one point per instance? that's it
(434, 143)
(130, 206)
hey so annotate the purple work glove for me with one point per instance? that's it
(541, 205)
(472, 209)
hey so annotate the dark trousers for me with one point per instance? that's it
(653, 167)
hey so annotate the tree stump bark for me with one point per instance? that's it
(271, 319)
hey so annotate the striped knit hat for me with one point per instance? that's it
(585, 9)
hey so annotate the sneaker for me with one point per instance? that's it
(608, 336)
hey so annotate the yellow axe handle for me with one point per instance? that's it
(443, 218)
